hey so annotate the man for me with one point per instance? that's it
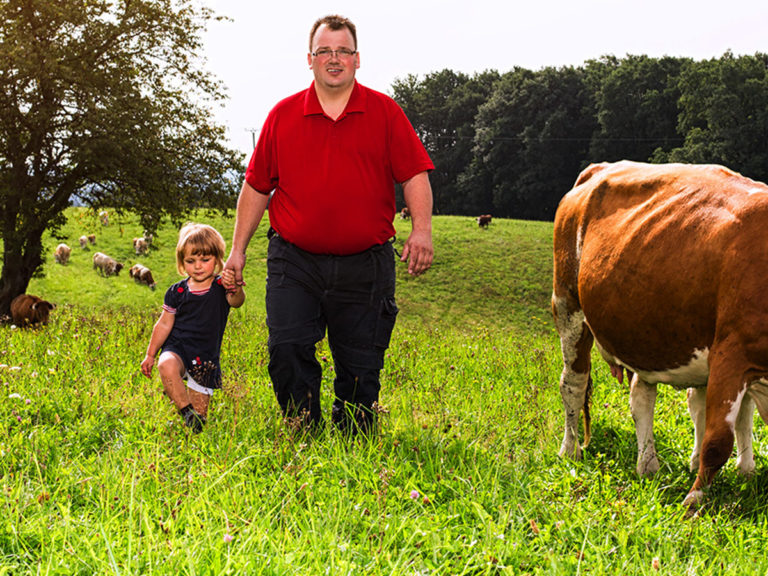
(331, 154)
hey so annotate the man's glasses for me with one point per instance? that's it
(325, 53)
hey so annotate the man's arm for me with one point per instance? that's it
(251, 205)
(418, 249)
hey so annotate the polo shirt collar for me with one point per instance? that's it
(356, 102)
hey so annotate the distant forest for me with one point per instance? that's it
(511, 144)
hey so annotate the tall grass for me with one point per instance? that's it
(98, 476)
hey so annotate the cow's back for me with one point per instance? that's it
(643, 251)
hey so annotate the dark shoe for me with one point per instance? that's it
(192, 419)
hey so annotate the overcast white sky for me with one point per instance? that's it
(260, 55)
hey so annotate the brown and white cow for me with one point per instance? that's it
(106, 265)
(61, 254)
(142, 275)
(664, 267)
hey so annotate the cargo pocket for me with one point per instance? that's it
(386, 322)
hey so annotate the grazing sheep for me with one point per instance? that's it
(106, 265)
(92, 239)
(484, 220)
(149, 237)
(104, 217)
(61, 255)
(27, 310)
(140, 246)
(83, 242)
(142, 275)
(405, 213)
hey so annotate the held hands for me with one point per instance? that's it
(228, 279)
(232, 275)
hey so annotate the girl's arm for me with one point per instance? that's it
(160, 334)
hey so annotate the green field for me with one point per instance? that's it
(99, 477)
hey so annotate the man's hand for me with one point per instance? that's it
(232, 275)
(418, 252)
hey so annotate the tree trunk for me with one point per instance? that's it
(21, 257)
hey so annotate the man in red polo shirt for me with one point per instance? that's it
(331, 155)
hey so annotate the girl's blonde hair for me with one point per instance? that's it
(200, 239)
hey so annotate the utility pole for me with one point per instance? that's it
(253, 132)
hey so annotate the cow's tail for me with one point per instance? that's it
(587, 415)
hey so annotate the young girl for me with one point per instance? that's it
(191, 325)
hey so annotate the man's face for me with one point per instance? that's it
(334, 70)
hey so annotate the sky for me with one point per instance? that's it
(260, 54)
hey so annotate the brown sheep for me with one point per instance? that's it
(27, 310)
(61, 255)
(484, 220)
(106, 265)
(92, 239)
(142, 275)
(405, 213)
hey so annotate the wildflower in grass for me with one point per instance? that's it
(228, 538)
(415, 494)
(14, 395)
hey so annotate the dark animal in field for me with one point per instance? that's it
(484, 220)
(28, 310)
(664, 268)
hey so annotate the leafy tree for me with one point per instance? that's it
(636, 103)
(104, 100)
(532, 137)
(442, 108)
(724, 114)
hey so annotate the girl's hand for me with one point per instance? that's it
(147, 364)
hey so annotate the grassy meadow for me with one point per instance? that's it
(99, 477)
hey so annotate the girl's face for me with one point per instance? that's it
(200, 267)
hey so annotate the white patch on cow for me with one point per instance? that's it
(642, 401)
(570, 327)
(693, 374)
(733, 413)
(573, 385)
(756, 191)
(579, 243)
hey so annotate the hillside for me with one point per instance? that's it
(498, 277)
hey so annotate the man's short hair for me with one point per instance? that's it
(334, 22)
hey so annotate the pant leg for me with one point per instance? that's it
(361, 313)
(296, 324)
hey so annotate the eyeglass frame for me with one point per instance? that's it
(339, 53)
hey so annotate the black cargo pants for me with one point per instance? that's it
(353, 298)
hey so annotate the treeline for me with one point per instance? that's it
(512, 144)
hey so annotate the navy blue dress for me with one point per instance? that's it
(198, 329)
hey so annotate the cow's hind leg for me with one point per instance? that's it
(726, 390)
(642, 401)
(576, 344)
(745, 458)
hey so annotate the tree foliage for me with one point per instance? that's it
(533, 131)
(105, 100)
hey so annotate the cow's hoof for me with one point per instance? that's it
(648, 466)
(692, 503)
(746, 466)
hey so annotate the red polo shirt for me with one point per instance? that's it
(334, 180)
